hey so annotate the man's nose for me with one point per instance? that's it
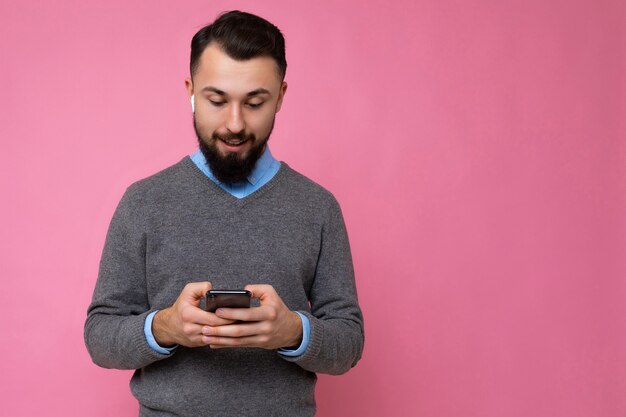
(235, 121)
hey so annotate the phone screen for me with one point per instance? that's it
(227, 298)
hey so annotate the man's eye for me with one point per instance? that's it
(255, 105)
(217, 103)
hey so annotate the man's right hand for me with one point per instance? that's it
(181, 324)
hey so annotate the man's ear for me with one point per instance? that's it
(189, 86)
(281, 96)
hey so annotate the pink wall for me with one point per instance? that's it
(477, 148)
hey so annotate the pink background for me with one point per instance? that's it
(477, 148)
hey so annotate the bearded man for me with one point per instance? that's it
(229, 216)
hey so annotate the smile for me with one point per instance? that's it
(233, 142)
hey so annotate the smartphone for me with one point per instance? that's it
(227, 298)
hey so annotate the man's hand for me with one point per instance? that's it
(182, 323)
(270, 326)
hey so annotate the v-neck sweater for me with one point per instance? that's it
(178, 226)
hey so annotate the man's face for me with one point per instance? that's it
(235, 106)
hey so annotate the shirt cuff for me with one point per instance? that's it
(147, 330)
(306, 335)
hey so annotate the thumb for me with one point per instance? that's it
(261, 291)
(194, 291)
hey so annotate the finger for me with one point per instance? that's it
(235, 330)
(247, 314)
(195, 341)
(221, 342)
(192, 331)
(261, 291)
(194, 337)
(194, 291)
(192, 314)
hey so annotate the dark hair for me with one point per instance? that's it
(242, 36)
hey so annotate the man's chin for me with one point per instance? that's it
(231, 165)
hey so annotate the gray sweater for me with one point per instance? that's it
(176, 227)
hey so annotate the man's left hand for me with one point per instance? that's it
(270, 326)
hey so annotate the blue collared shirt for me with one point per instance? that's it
(264, 170)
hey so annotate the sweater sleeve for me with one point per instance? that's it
(114, 329)
(337, 334)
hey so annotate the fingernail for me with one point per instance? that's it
(219, 312)
(205, 330)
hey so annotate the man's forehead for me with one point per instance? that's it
(224, 73)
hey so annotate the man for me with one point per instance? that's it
(228, 217)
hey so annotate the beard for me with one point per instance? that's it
(232, 167)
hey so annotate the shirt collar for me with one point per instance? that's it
(262, 166)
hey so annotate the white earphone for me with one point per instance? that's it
(193, 105)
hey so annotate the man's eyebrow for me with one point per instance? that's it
(257, 92)
(252, 93)
(215, 90)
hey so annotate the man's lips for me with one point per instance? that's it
(233, 142)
